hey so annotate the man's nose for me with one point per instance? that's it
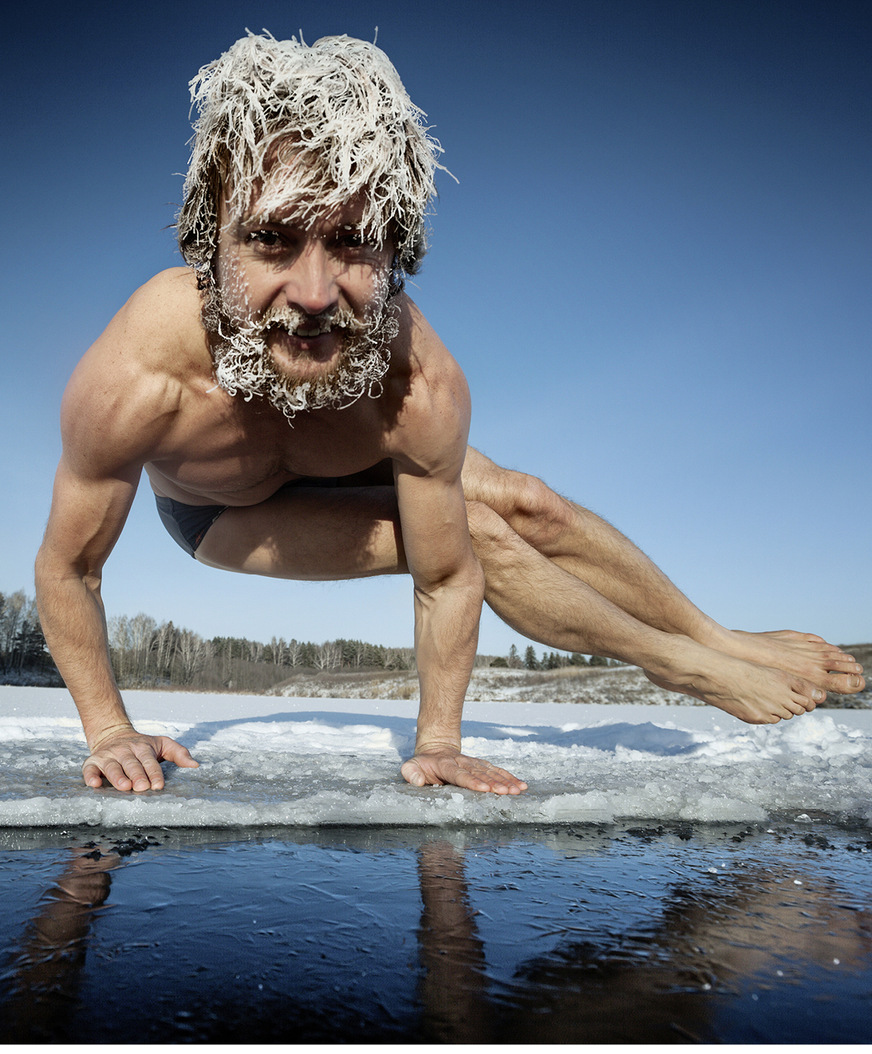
(311, 280)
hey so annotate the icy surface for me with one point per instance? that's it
(268, 761)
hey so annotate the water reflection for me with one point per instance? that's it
(613, 940)
(45, 973)
(453, 990)
(743, 932)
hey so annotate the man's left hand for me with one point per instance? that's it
(436, 766)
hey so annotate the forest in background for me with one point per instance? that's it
(24, 658)
(148, 654)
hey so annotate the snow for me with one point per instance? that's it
(302, 762)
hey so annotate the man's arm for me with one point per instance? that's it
(85, 521)
(113, 413)
(449, 590)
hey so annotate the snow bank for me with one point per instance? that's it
(267, 761)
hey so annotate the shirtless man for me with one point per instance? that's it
(298, 418)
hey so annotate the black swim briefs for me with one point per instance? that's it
(187, 523)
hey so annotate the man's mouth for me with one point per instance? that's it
(312, 330)
(315, 340)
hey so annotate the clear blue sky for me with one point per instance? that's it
(655, 270)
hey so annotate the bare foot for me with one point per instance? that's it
(805, 654)
(758, 695)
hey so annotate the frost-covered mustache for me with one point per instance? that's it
(301, 324)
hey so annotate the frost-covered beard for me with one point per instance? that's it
(244, 365)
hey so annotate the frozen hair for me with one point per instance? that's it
(308, 129)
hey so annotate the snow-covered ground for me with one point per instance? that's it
(270, 761)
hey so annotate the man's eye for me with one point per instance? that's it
(351, 238)
(265, 239)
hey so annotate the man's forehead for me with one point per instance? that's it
(266, 206)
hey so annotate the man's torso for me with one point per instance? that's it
(200, 445)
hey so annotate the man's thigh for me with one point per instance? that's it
(317, 533)
(485, 481)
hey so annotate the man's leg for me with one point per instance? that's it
(542, 601)
(310, 534)
(592, 552)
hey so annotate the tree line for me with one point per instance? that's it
(149, 654)
(24, 658)
(550, 660)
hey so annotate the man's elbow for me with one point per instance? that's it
(43, 572)
(467, 578)
(51, 570)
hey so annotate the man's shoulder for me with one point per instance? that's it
(157, 330)
(167, 305)
(178, 282)
(421, 356)
(130, 382)
(434, 420)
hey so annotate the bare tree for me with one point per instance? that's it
(294, 652)
(142, 630)
(328, 656)
(279, 651)
(191, 652)
(119, 647)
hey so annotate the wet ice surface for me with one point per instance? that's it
(671, 932)
(712, 876)
(267, 761)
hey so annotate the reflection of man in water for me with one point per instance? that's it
(50, 961)
(678, 968)
(298, 418)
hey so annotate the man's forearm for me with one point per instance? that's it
(74, 624)
(446, 639)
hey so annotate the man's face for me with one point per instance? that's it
(304, 290)
(298, 313)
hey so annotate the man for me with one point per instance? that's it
(298, 418)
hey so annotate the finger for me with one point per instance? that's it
(461, 771)
(114, 772)
(150, 767)
(480, 777)
(461, 777)
(413, 773)
(133, 775)
(92, 774)
(514, 785)
(497, 784)
(471, 774)
(170, 750)
(498, 780)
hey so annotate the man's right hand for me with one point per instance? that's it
(131, 761)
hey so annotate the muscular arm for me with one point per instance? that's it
(448, 584)
(112, 411)
(86, 518)
(449, 588)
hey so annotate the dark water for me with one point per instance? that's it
(680, 933)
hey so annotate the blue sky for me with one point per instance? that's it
(655, 270)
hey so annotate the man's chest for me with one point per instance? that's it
(244, 455)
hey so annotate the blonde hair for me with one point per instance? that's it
(308, 128)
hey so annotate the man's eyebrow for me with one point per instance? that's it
(248, 223)
(349, 219)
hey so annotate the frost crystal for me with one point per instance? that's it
(304, 129)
